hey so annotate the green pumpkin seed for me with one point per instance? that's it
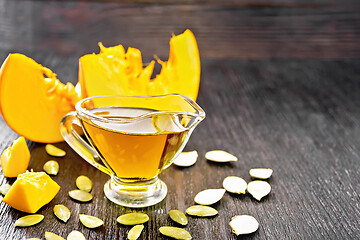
(80, 195)
(52, 236)
(84, 183)
(51, 167)
(258, 189)
(235, 184)
(178, 217)
(133, 218)
(220, 156)
(175, 232)
(244, 224)
(261, 173)
(75, 235)
(209, 196)
(135, 232)
(54, 151)
(29, 220)
(90, 221)
(5, 188)
(62, 212)
(201, 211)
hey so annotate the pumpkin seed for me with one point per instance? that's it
(220, 156)
(33, 239)
(84, 183)
(235, 184)
(29, 220)
(258, 189)
(209, 196)
(201, 211)
(75, 235)
(175, 232)
(244, 224)
(90, 221)
(135, 232)
(5, 188)
(62, 212)
(186, 159)
(133, 218)
(52, 236)
(261, 173)
(54, 151)
(178, 217)
(51, 167)
(80, 195)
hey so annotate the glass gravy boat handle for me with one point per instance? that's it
(78, 144)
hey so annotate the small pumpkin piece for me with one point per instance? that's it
(84, 183)
(244, 224)
(5, 188)
(51, 167)
(54, 151)
(175, 232)
(258, 189)
(261, 173)
(220, 156)
(90, 221)
(75, 235)
(62, 212)
(133, 218)
(15, 159)
(80, 195)
(178, 217)
(29, 220)
(235, 184)
(31, 191)
(209, 196)
(186, 159)
(201, 211)
(52, 236)
(135, 232)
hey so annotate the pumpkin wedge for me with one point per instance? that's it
(116, 71)
(31, 104)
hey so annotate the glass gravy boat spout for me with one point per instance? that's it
(136, 137)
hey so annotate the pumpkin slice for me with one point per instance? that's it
(31, 104)
(15, 159)
(31, 191)
(114, 71)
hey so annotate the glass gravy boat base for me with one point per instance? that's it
(135, 195)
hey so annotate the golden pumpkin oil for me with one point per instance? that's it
(135, 146)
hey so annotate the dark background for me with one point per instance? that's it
(281, 88)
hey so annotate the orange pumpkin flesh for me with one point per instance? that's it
(31, 104)
(15, 159)
(114, 71)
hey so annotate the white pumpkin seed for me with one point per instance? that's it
(133, 218)
(80, 195)
(235, 184)
(220, 156)
(84, 183)
(186, 159)
(51, 167)
(52, 236)
(62, 212)
(201, 211)
(75, 235)
(261, 173)
(209, 196)
(244, 224)
(29, 220)
(258, 189)
(178, 217)
(175, 232)
(135, 232)
(54, 151)
(5, 188)
(90, 221)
